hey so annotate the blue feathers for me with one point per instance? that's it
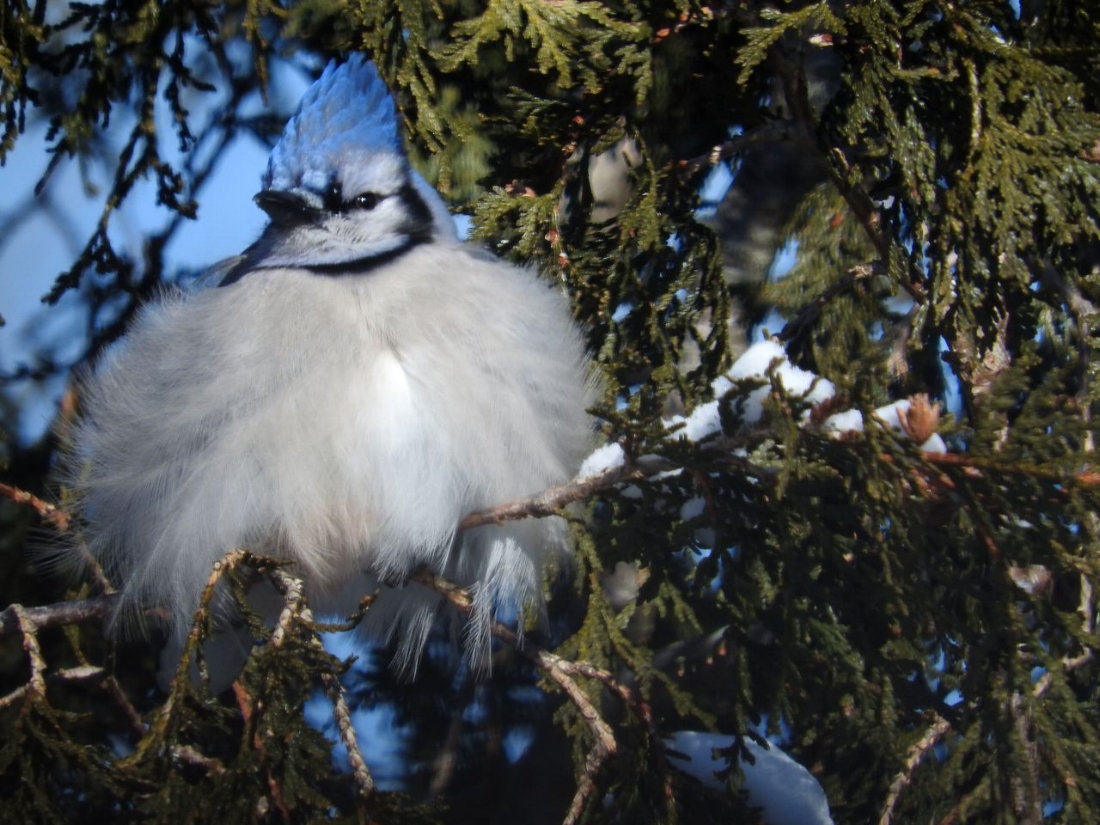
(347, 108)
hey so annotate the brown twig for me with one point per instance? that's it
(35, 687)
(913, 757)
(191, 648)
(49, 513)
(133, 718)
(296, 610)
(61, 521)
(978, 465)
(108, 684)
(772, 131)
(13, 697)
(29, 620)
(809, 311)
(60, 613)
(561, 672)
(551, 500)
(190, 756)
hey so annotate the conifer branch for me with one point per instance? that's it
(772, 131)
(835, 161)
(549, 502)
(1027, 796)
(808, 312)
(913, 757)
(978, 465)
(295, 610)
(973, 195)
(1084, 313)
(940, 727)
(192, 648)
(561, 672)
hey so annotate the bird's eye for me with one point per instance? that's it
(367, 200)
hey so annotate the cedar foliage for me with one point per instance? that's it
(923, 626)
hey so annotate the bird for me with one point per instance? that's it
(355, 383)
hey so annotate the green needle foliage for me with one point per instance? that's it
(920, 627)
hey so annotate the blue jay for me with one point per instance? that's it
(357, 382)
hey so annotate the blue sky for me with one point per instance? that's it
(39, 248)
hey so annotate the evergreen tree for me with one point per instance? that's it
(920, 623)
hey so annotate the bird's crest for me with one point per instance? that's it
(347, 107)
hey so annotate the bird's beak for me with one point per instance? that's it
(285, 208)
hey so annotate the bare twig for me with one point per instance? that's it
(297, 610)
(36, 684)
(51, 514)
(191, 648)
(102, 678)
(916, 753)
(61, 521)
(133, 718)
(551, 500)
(770, 132)
(13, 697)
(561, 672)
(60, 613)
(190, 756)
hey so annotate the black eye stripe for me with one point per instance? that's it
(334, 201)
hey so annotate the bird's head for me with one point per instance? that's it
(338, 187)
